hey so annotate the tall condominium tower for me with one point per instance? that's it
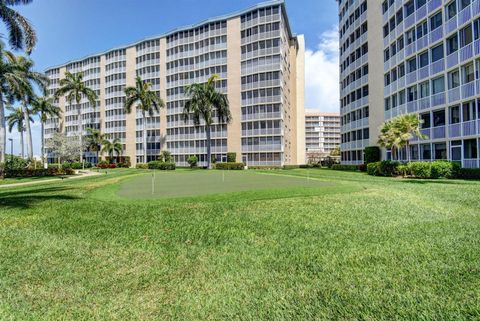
(260, 63)
(322, 133)
(431, 61)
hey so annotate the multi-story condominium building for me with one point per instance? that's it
(322, 132)
(431, 55)
(260, 64)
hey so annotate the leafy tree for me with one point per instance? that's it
(45, 108)
(16, 118)
(73, 88)
(205, 104)
(335, 151)
(21, 34)
(165, 156)
(94, 140)
(65, 148)
(112, 147)
(192, 161)
(145, 100)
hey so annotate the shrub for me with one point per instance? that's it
(372, 154)
(163, 166)
(403, 170)
(67, 165)
(103, 165)
(231, 157)
(230, 166)
(192, 161)
(444, 169)
(165, 156)
(265, 167)
(123, 165)
(15, 162)
(420, 169)
(343, 167)
(373, 169)
(290, 166)
(468, 173)
(40, 172)
(76, 165)
(141, 166)
(362, 167)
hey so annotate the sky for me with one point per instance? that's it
(72, 29)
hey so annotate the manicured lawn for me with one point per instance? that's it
(6, 181)
(339, 246)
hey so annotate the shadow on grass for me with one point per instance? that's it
(439, 181)
(26, 198)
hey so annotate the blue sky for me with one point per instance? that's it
(71, 29)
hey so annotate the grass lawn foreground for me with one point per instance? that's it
(252, 245)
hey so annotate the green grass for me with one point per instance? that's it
(340, 246)
(7, 181)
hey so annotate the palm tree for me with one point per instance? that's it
(147, 101)
(26, 93)
(73, 88)
(44, 106)
(206, 103)
(112, 147)
(20, 33)
(12, 81)
(388, 137)
(16, 118)
(95, 140)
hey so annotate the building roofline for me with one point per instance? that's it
(313, 112)
(189, 27)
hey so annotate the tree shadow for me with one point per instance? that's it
(26, 198)
(440, 181)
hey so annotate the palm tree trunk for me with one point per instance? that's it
(22, 144)
(42, 137)
(408, 152)
(79, 129)
(3, 132)
(144, 137)
(28, 129)
(209, 150)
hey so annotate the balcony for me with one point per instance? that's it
(438, 132)
(453, 95)
(466, 53)
(452, 59)
(437, 66)
(468, 128)
(451, 25)
(464, 15)
(468, 90)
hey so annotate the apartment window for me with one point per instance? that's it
(426, 123)
(440, 150)
(412, 64)
(464, 4)
(401, 98)
(424, 89)
(426, 151)
(423, 59)
(454, 114)
(453, 79)
(422, 30)
(412, 93)
(421, 3)
(410, 34)
(438, 85)
(439, 118)
(400, 43)
(468, 73)
(401, 70)
(451, 10)
(436, 21)
(437, 53)
(452, 44)
(466, 36)
(409, 8)
(470, 149)
(468, 111)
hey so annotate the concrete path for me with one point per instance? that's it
(81, 175)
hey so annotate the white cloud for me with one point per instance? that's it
(322, 74)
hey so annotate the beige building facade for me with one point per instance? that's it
(322, 133)
(260, 63)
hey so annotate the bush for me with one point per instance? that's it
(290, 167)
(231, 157)
(383, 168)
(444, 169)
(165, 156)
(403, 170)
(373, 169)
(66, 165)
(104, 166)
(362, 167)
(264, 167)
(141, 166)
(76, 165)
(230, 166)
(420, 169)
(372, 154)
(40, 172)
(15, 162)
(163, 166)
(343, 167)
(123, 165)
(192, 161)
(468, 173)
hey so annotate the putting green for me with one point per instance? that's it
(196, 183)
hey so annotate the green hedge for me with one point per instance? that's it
(141, 166)
(231, 157)
(230, 166)
(468, 173)
(40, 172)
(422, 170)
(316, 165)
(343, 167)
(164, 166)
(291, 166)
(372, 154)
(384, 168)
(265, 167)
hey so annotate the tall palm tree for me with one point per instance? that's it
(12, 81)
(388, 137)
(95, 140)
(16, 118)
(44, 106)
(112, 147)
(26, 95)
(21, 34)
(145, 100)
(73, 88)
(205, 103)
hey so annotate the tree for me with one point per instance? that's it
(11, 82)
(94, 141)
(65, 148)
(165, 156)
(45, 108)
(192, 161)
(73, 88)
(145, 100)
(21, 34)
(335, 151)
(396, 133)
(112, 147)
(205, 103)
(16, 118)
